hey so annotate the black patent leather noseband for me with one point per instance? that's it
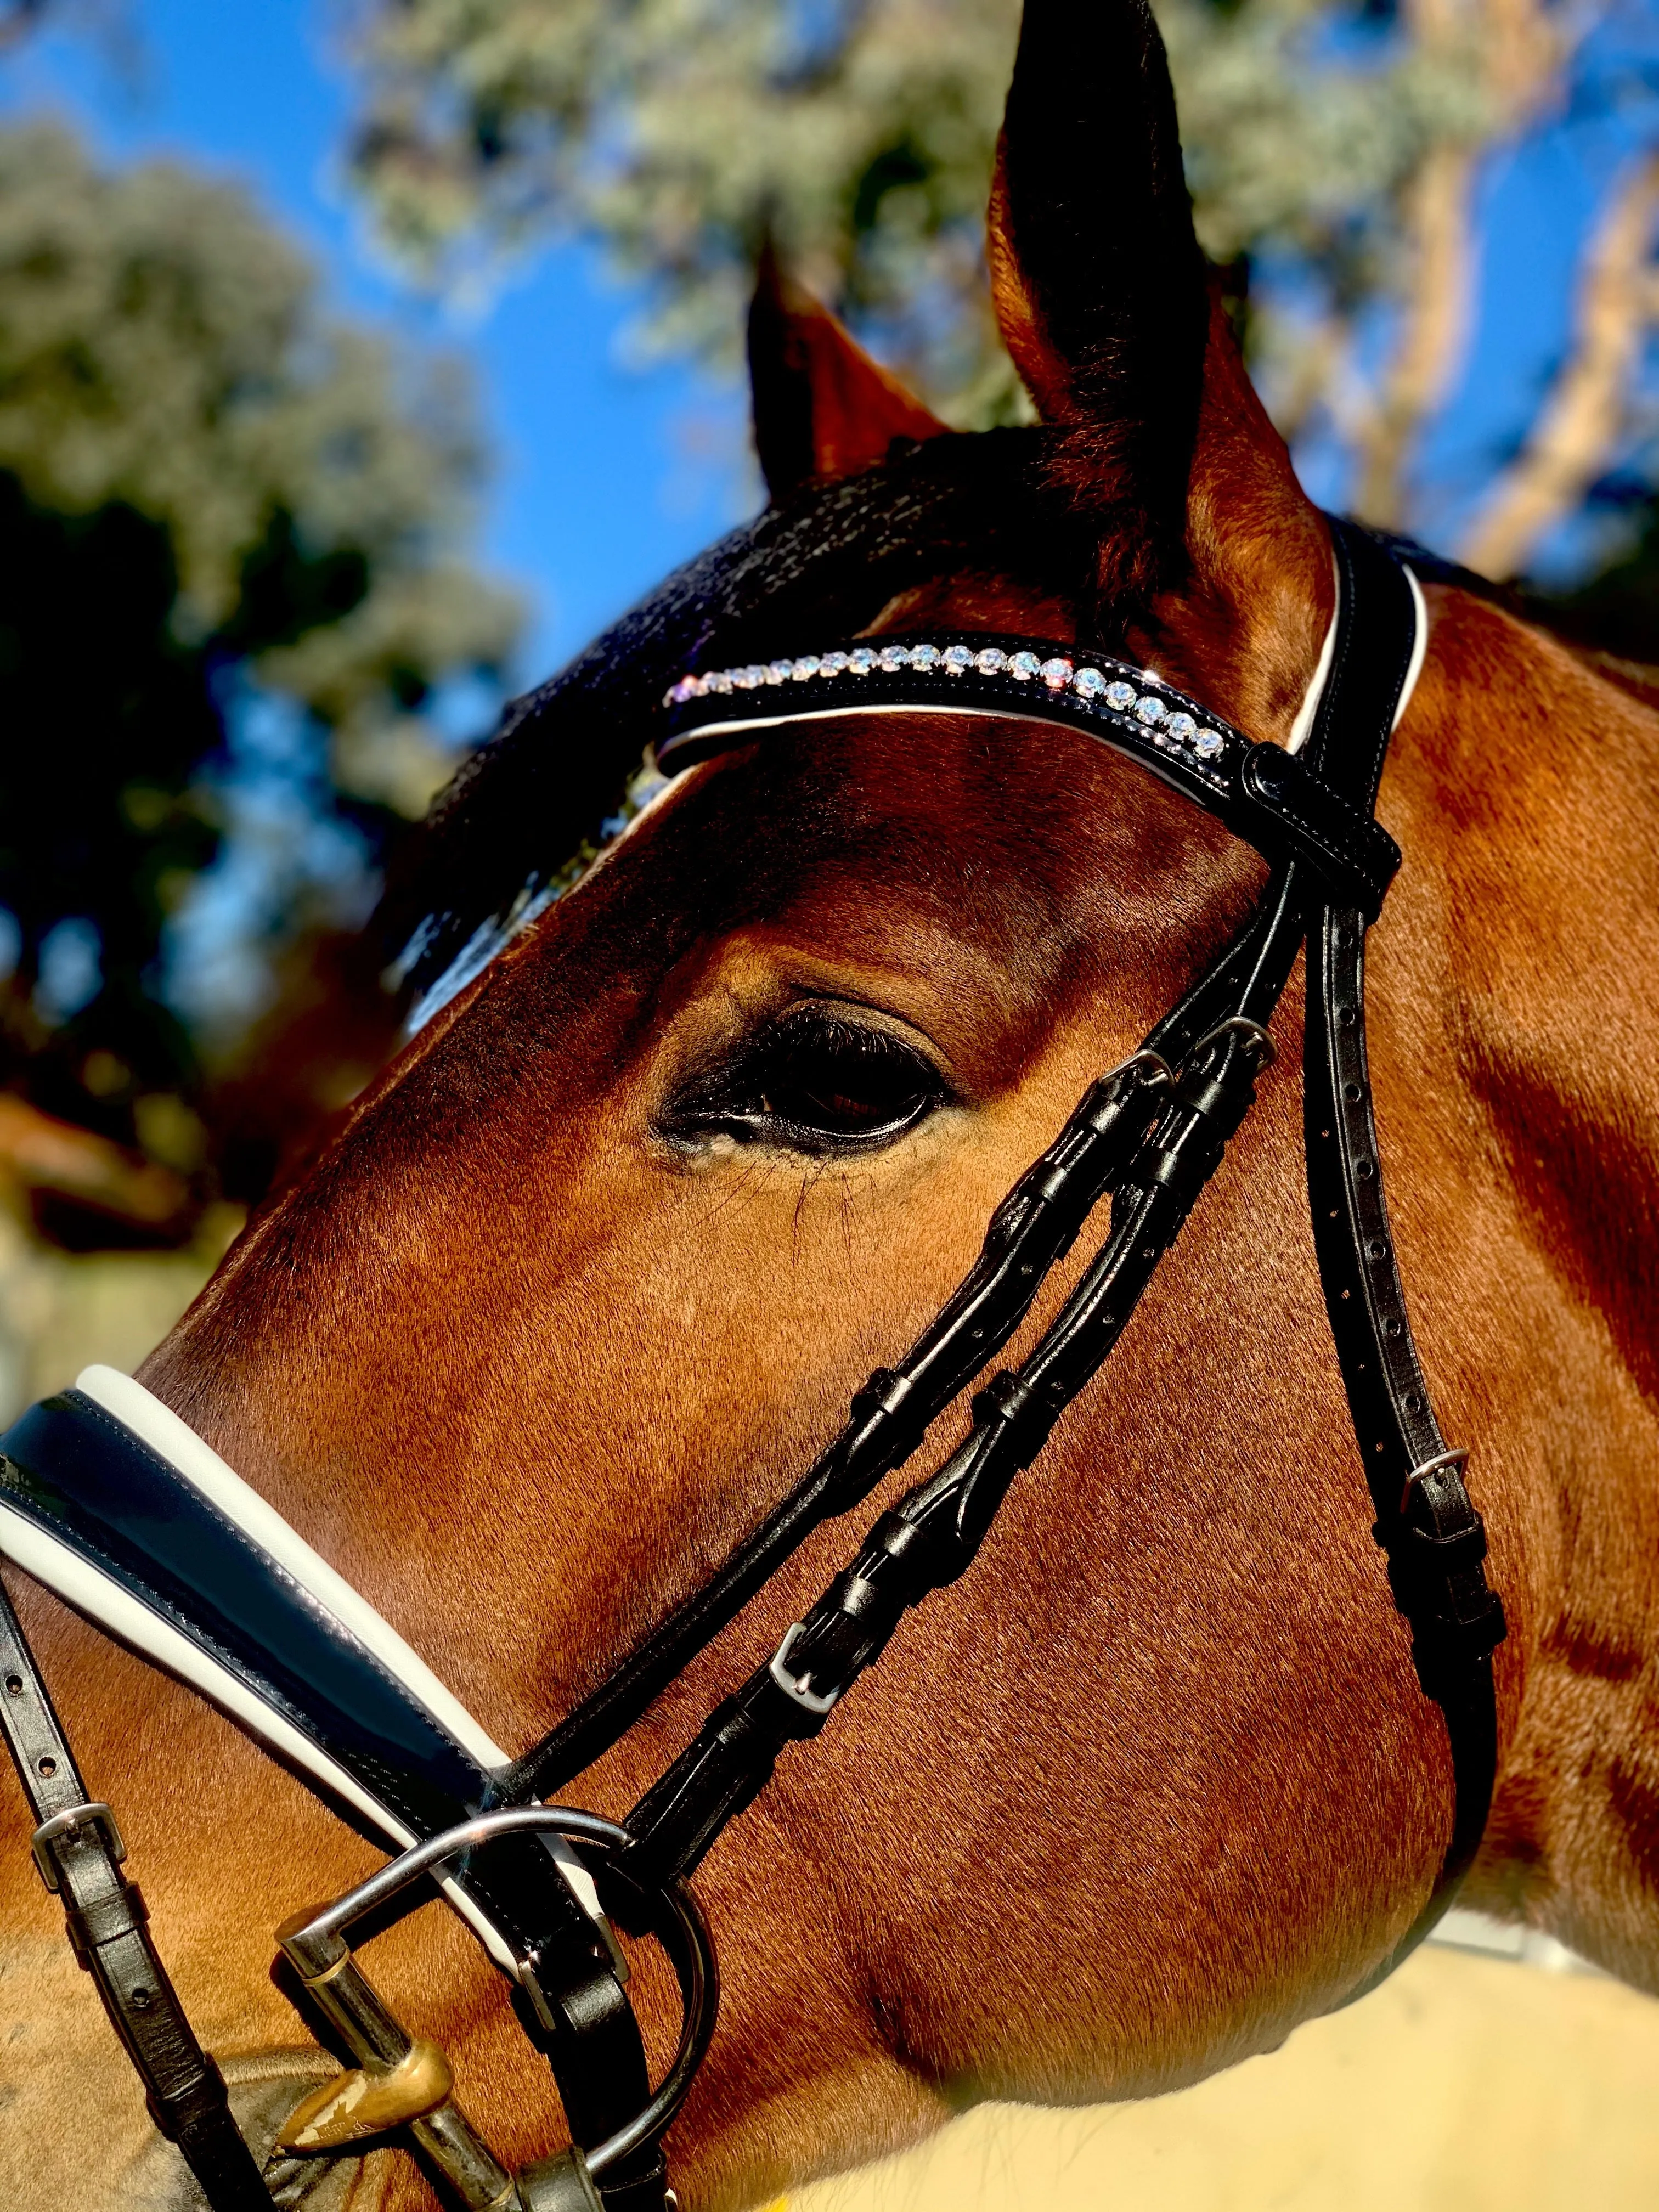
(1148, 1137)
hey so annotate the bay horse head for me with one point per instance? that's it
(535, 1353)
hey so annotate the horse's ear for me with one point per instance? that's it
(1210, 553)
(1100, 288)
(822, 408)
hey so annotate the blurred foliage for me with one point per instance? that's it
(210, 493)
(862, 132)
(1617, 608)
(1333, 149)
(677, 131)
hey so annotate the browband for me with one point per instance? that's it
(1267, 796)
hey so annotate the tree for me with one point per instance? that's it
(1335, 154)
(214, 503)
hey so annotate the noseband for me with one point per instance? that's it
(107, 1498)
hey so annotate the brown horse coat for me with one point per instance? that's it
(1155, 1781)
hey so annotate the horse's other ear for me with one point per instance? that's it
(1099, 284)
(822, 407)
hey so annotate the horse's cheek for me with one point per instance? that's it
(59, 2067)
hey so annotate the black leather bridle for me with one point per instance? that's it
(1148, 1136)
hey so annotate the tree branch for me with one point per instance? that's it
(1520, 44)
(1573, 436)
(1434, 326)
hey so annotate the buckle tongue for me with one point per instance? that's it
(94, 1813)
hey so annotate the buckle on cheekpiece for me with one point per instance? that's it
(93, 1813)
(1438, 1465)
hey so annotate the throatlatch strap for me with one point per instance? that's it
(78, 1850)
(1433, 1535)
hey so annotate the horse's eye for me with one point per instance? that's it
(814, 1082)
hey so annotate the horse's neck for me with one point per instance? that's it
(1545, 787)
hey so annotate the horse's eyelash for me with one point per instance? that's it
(748, 1065)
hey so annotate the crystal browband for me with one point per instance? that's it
(1262, 792)
(1172, 722)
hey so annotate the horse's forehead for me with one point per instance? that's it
(1017, 840)
(993, 886)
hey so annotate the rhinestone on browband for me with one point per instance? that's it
(1168, 724)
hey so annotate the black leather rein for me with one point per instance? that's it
(1147, 1138)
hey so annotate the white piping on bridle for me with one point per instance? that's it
(1302, 728)
(100, 1599)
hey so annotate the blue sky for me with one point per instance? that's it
(605, 475)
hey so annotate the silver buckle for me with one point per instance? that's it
(1147, 1063)
(791, 1685)
(65, 1824)
(1256, 1039)
(1458, 1459)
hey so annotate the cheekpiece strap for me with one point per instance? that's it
(1270, 798)
(1425, 1520)
(78, 1852)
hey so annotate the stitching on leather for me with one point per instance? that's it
(1344, 538)
(1353, 860)
(1325, 723)
(198, 1633)
(194, 1631)
(387, 1784)
(1351, 863)
(275, 1571)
